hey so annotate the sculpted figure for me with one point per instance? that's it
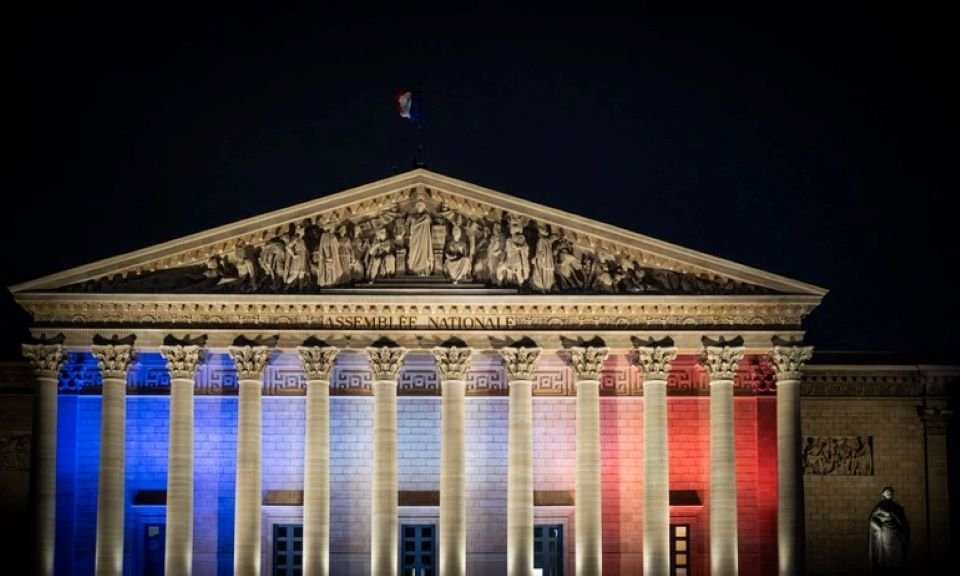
(515, 267)
(328, 259)
(296, 264)
(456, 255)
(543, 265)
(420, 252)
(569, 267)
(496, 247)
(889, 535)
(345, 251)
(273, 259)
(380, 256)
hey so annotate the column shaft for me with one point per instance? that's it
(246, 531)
(179, 543)
(656, 480)
(520, 480)
(723, 480)
(110, 490)
(453, 481)
(588, 514)
(45, 476)
(789, 479)
(316, 480)
(384, 532)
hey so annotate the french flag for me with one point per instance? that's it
(408, 104)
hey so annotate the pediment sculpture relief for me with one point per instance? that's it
(419, 236)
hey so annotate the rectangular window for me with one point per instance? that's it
(680, 549)
(287, 549)
(418, 546)
(548, 549)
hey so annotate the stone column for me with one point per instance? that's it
(453, 364)
(587, 363)
(317, 364)
(46, 360)
(655, 363)
(182, 363)
(114, 361)
(385, 362)
(788, 362)
(250, 362)
(521, 364)
(721, 361)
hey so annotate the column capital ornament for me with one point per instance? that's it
(46, 359)
(453, 362)
(521, 363)
(655, 361)
(935, 419)
(317, 361)
(113, 359)
(587, 361)
(788, 361)
(385, 361)
(182, 361)
(721, 361)
(249, 360)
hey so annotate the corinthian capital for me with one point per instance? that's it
(722, 361)
(250, 360)
(113, 359)
(588, 362)
(182, 361)
(521, 363)
(452, 362)
(655, 361)
(317, 361)
(386, 361)
(46, 359)
(788, 361)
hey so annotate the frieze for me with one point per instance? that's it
(415, 233)
(838, 455)
(861, 384)
(14, 451)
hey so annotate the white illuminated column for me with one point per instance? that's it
(453, 364)
(655, 362)
(587, 364)
(721, 361)
(788, 363)
(521, 364)
(385, 362)
(317, 364)
(114, 361)
(182, 362)
(46, 360)
(250, 362)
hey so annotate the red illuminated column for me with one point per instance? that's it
(587, 363)
(721, 361)
(385, 362)
(655, 362)
(114, 361)
(182, 362)
(453, 364)
(46, 360)
(788, 363)
(521, 364)
(317, 363)
(250, 360)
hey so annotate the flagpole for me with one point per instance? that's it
(418, 161)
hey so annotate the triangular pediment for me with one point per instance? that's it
(417, 231)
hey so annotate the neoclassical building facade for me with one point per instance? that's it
(423, 376)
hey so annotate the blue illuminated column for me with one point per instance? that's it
(721, 362)
(250, 361)
(587, 363)
(385, 362)
(521, 365)
(788, 363)
(453, 364)
(317, 364)
(46, 360)
(182, 362)
(114, 361)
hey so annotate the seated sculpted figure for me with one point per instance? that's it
(456, 256)
(889, 535)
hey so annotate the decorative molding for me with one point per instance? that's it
(866, 383)
(722, 361)
(46, 359)
(284, 381)
(935, 419)
(587, 362)
(385, 361)
(486, 382)
(838, 455)
(15, 451)
(114, 360)
(788, 361)
(317, 361)
(182, 361)
(418, 381)
(453, 362)
(250, 361)
(655, 361)
(553, 381)
(352, 380)
(520, 363)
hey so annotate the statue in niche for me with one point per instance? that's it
(456, 254)
(569, 267)
(297, 265)
(381, 261)
(543, 265)
(420, 252)
(515, 267)
(328, 258)
(889, 535)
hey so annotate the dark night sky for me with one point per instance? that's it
(813, 142)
